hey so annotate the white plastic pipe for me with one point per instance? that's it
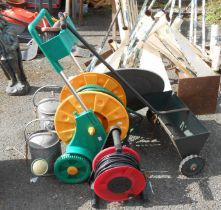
(203, 26)
(213, 38)
(191, 21)
(216, 58)
(195, 23)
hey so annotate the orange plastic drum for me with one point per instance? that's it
(109, 111)
(102, 80)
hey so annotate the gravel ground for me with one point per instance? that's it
(160, 162)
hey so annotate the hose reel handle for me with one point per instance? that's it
(116, 132)
(63, 22)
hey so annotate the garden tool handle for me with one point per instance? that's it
(41, 88)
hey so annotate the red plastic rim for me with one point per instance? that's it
(138, 183)
(110, 150)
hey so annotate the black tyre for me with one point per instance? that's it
(191, 165)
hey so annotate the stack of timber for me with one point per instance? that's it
(146, 36)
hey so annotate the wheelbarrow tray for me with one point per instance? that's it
(186, 132)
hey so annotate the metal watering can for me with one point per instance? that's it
(46, 107)
(44, 147)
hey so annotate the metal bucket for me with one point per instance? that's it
(46, 108)
(43, 145)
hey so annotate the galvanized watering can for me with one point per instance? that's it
(44, 147)
(46, 107)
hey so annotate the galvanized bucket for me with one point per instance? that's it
(44, 145)
(46, 107)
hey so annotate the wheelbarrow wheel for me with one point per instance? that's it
(191, 165)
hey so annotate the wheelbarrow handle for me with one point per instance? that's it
(41, 88)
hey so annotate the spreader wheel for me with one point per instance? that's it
(72, 169)
(191, 165)
(92, 78)
(108, 110)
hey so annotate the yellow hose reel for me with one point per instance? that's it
(109, 110)
(92, 78)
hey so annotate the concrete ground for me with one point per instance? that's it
(160, 162)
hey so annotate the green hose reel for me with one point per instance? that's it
(83, 119)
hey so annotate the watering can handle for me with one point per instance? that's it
(36, 120)
(41, 88)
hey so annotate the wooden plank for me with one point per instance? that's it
(156, 65)
(156, 43)
(68, 7)
(185, 47)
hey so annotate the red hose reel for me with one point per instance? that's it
(117, 175)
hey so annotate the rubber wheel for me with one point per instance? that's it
(191, 165)
(64, 162)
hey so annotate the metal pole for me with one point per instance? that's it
(191, 21)
(76, 62)
(151, 4)
(94, 59)
(180, 7)
(172, 10)
(195, 23)
(203, 26)
(73, 91)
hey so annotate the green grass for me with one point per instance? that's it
(213, 11)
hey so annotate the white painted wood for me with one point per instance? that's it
(115, 58)
(213, 37)
(114, 45)
(120, 18)
(216, 58)
(177, 22)
(168, 34)
(160, 46)
(148, 26)
(152, 61)
(200, 67)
